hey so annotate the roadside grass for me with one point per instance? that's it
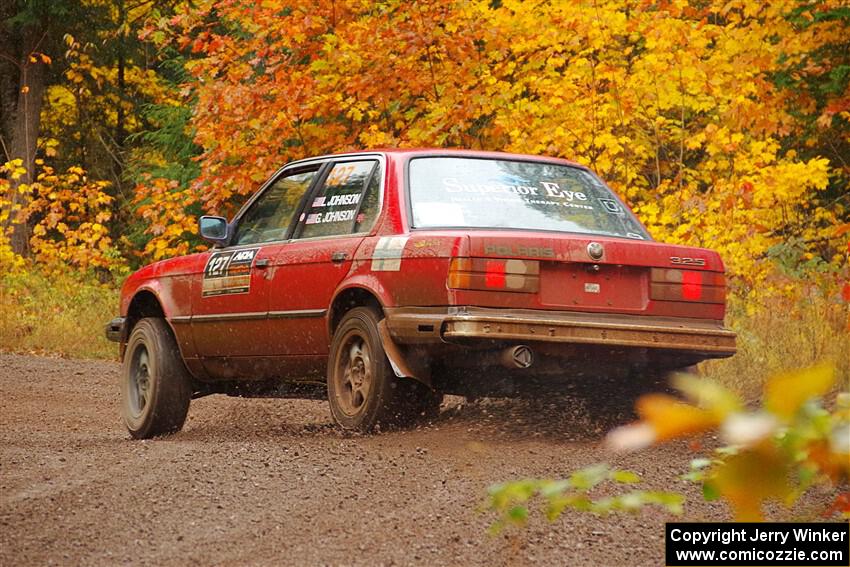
(58, 314)
(65, 314)
(782, 334)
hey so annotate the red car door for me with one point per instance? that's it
(230, 324)
(340, 212)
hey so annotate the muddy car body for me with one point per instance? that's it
(394, 277)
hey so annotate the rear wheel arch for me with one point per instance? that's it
(348, 299)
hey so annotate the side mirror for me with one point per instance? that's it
(213, 229)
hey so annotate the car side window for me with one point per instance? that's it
(346, 201)
(270, 215)
(371, 206)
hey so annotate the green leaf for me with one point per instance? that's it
(806, 475)
(587, 478)
(710, 492)
(624, 477)
(672, 501)
(556, 507)
(496, 528)
(518, 514)
(693, 476)
(553, 487)
(632, 501)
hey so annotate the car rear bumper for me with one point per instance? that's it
(464, 325)
(115, 329)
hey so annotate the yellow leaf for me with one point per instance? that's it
(736, 481)
(671, 418)
(784, 394)
(708, 394)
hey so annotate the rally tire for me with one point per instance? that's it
(155, 386)
(364, 393)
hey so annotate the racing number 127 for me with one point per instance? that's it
(217, 266)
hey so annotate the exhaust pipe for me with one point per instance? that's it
(519, 356)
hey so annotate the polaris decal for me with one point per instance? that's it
(387, 254)
(228, 272)
(533, 251)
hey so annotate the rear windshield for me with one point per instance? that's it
(448, 192)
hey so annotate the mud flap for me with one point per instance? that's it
(397, 360)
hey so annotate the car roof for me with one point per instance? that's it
(406, 153)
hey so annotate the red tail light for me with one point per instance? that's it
(692, 286)
(687, 285)
(494, 275)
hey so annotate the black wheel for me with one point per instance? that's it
(155, 385)
(363, 391)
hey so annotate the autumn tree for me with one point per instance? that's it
(689, 110)
(83, 86)
(25, 40)
(723, 124)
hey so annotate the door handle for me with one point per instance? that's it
(338, 257)
(262, 263)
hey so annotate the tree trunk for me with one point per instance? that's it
(9, 55)
(120, 133)
(24, 125)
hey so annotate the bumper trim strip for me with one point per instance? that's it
(465, 324)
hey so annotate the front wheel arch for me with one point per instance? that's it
(144, 304)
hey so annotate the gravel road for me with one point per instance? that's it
(273, 482)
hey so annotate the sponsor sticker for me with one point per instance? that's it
(592, 288)
(503, 250)
(612, 207)
(547, 193)
(228, 272)
(447, 214)
(387, 254)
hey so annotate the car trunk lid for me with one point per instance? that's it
(587, 272)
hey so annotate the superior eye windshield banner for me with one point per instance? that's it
(762, 544)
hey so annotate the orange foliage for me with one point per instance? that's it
(674, 104)
(790, 444)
